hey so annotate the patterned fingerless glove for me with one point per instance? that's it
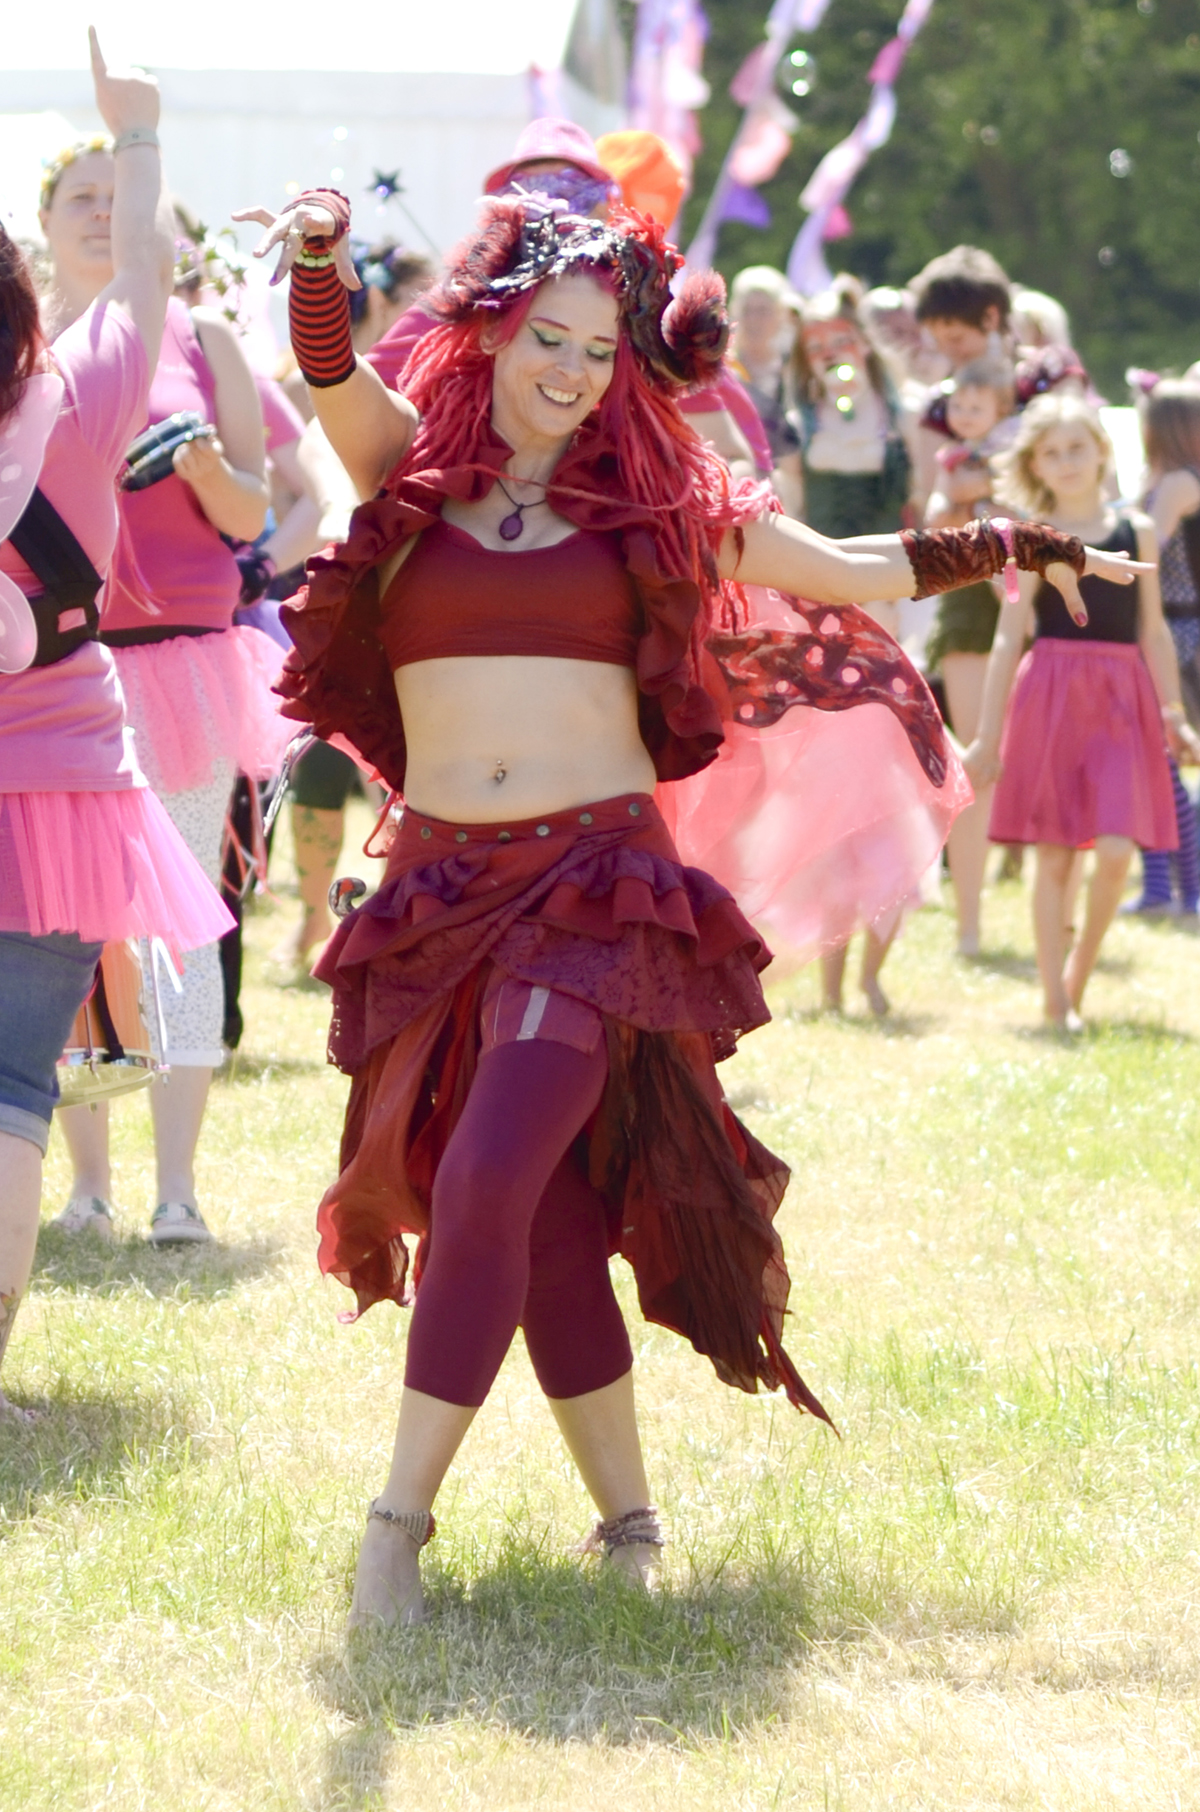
(943, 559)
(319, 302)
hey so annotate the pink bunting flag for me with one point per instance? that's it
(831, 181)
(762, 144)
(666, 88)
(764, 137)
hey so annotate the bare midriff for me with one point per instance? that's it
(494, 739)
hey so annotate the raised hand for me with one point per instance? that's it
(124, 101)
(303, 220)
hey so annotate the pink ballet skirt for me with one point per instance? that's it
(1083, 750)
(104, 865)
(200, 701)
(819, 825)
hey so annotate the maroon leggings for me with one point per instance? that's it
(518, 1236)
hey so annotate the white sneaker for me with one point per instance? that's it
(178, 1224)
(86, 1214)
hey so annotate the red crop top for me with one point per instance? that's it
(452, 596)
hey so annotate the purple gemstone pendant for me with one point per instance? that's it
(511, 527)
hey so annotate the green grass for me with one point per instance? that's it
(984, 1596)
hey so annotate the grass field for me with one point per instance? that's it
(985, 1596)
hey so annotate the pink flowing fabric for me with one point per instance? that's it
(819, 825)
(105, 865)
(195, 700)
(1083, 750)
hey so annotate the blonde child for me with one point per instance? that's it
(1079, 759)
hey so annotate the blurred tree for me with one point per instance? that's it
(1062, 135)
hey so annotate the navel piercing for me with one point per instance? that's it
(501, 772)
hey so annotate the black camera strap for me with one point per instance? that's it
(66, 614)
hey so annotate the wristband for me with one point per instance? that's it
(1004, 529)
(335, 203)
(319, 302)
(319, 322)
(136, 135)
(944, 559)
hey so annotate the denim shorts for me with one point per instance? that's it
(43, 983)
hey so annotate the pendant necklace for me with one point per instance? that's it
(512, 526)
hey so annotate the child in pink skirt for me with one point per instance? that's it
(1082, 761)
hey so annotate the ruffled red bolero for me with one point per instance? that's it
(693, 675)
(337, 679)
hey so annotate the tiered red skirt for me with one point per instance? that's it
(595, 903)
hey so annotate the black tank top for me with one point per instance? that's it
(1112, 609)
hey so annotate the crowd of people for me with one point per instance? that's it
(628, 617)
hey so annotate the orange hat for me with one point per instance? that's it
(649, 172)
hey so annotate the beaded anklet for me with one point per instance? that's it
(636, 1528)
(419, 1525)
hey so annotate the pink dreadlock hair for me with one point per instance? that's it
(637, 445)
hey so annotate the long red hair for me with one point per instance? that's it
(21, 342)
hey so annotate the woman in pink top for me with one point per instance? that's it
(87, 853)
(197, 689)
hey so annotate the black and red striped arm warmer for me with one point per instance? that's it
(319, 303)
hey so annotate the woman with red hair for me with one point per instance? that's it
(534, 620)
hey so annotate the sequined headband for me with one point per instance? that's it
(680, 340)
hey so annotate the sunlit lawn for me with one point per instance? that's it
(984, 1596)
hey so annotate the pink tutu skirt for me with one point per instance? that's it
(104, 865)
(1083, 750)
(818, 826)
(196, 701)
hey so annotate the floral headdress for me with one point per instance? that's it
(679, 339)
(53, 168)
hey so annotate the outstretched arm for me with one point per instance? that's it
(791, 557)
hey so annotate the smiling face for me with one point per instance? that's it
(78, 222)
(558, 365)
(972, 411)
(1069, 461)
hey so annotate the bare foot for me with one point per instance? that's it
(1068, 1024)
(831, 1003)
(877, 1000)
(638, 1564)
(968, 944)
(387, 1581)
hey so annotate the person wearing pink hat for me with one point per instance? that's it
(554, 147)
(553, 158)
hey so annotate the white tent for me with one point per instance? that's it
(438, 93)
